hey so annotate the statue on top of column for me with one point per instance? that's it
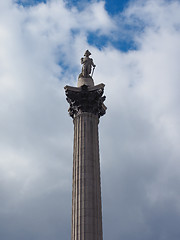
(87, 65)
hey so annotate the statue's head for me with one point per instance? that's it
(87, 53)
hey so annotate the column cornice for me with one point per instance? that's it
(86, 99)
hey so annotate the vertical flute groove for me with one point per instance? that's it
(86, 194)
(86, 107)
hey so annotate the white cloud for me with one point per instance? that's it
(139, 135)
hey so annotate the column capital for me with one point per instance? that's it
(86, 99)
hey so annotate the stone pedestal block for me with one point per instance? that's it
(85, 81)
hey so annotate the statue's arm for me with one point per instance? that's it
(92, 63)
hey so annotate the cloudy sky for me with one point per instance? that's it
(136, 47)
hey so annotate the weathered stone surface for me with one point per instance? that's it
(86, 99)
(87, 64)
(86, 193)
(86, 107)
(85, 81)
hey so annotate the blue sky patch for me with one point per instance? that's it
(27, 3)
(111, 6)
(101, 41)
(116, 6)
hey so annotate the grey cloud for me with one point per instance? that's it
(139, 136)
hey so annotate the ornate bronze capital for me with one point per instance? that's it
(86, 99)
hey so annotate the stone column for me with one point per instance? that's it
(86, 107)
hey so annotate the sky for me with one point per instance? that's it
(136, 48)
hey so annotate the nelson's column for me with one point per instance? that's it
(86, 107)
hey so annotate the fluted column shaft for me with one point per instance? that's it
(86, 193)
(86, 107)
